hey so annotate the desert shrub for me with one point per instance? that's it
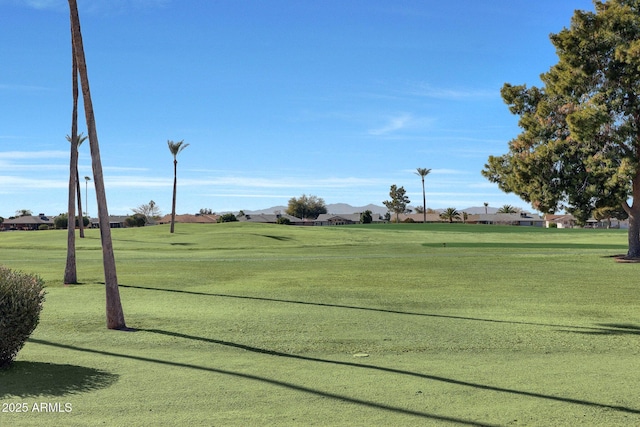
(61, 221)
(136, 220)
(283, 220)
(21, 299)
(228, 217)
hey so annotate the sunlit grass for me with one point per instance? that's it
(244, 324)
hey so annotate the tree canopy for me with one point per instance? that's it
(450, 214)
(398, 201)
(306, 207)
(149, 211)
(580, 143)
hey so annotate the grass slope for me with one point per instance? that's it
(244, 324)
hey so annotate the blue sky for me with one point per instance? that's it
(333, 98)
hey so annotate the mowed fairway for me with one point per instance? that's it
(380, 325)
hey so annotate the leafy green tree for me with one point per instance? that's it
(450, 214)
(175, 148)
(136, 220)
(61, 222)
(366, 217)
(422, 173)
(398, 201)
(607, 213)
(149, 211)
(306, 207)
(283, 220)
(228, 217)
(580, 145)
(508, 209)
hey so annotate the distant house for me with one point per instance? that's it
(344, 219)
(190, 219)
(560, 221)
(418, 217)
(524, 219)
(272, 219)
(29, 222)
(115, 221)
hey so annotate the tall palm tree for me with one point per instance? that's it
(450, 214)
(175, 148)
(115, 314)
(70, 271)
(79, 140)
(422, 172)
(486, 205)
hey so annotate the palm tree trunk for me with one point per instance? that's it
(70, 271)
(115, 314)
(80, 215)
(424, 203)
(175, 189)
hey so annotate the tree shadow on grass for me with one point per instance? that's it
(355, 307)
(612, 329)
(278, 383)
(31, 379)
(523, 245)
(484, 387)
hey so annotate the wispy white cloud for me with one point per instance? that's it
(90, 5)
(19, 155)
(17, 87)
(393, 124)
(428, 91)
(17, 183)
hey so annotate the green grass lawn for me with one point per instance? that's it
(380, 325)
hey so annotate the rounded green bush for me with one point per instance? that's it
(21, 299)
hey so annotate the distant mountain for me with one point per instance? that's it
(334, 208)
(477, 210)
(345, 208)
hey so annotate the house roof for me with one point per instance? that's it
(190, 218)
(267, 218)
(505, 217)
(418, 217)
(29, 219)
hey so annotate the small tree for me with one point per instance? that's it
(228, 217)
(150, 211)
(450, 214)
(136, 220)
(399, 201)
(306, 207)
(61, 222)
(366, 217)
